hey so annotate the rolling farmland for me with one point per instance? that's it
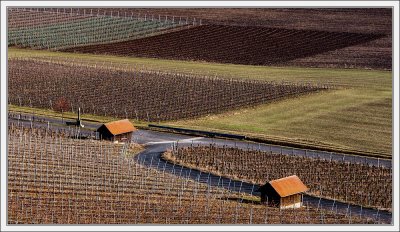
(359, 53)
(311, 79)
(360, 103)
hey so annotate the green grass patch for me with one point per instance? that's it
(344, 119)
(357, 115)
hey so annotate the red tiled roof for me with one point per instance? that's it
(288, 186)
(120, 127)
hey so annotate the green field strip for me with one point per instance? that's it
(85, 31)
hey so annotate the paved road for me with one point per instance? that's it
(152, 136)
(28, 120)
(158, 142)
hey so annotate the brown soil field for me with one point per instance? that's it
(376, 54)
(233, 44)
(361, 20)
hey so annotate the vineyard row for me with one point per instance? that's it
(67, 32)
(151, 96)
(357, 183)
(59, 180)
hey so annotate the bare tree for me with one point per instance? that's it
(62, 105)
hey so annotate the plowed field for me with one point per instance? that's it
(233, 44)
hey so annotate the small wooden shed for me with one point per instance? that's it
(284, 193)
(120, 131)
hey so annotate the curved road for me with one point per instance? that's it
(158, 142)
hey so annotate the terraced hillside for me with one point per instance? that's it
(232, 44)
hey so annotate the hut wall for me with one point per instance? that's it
(104, 133)
(293, 201)
(123, 137)
(269, 196)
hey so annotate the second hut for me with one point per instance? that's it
(284, 193)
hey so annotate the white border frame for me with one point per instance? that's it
(114, 4)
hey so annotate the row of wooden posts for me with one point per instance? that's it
(182, 20)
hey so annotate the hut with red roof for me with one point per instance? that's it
(117, 131)
(284, 193)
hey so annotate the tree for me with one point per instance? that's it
(62, 105)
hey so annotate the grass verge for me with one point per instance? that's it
(69, 115)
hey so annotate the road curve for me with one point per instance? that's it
(158, 142)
